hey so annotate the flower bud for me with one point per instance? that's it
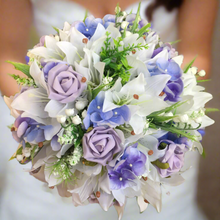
(69, 112)
(202, 73)
(61, 118)
(19, 157)
(26, 152)
(194, 70)
(84, 113)
(124, 24)
(198, 120)
(81, 104)
(76, 120)
(184, 118)
(124, 13)
(117, 9)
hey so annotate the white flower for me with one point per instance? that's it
(19, 157)
(69, 112)
(193, 70)
(84, 113)
(124, 24)
(202, 73)
(81, 104)
(198, 120)
(117, 9)
(184, 118)
(26, 152)
(61, 118)
(124, 13)
(76, 120)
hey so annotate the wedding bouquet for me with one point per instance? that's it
(106, 113)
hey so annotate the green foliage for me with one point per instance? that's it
(116, 64)
(203, 80)
(136, 21)
(161, 165)
(189, 65)
(144, 30)
(211, 110)
(23, 81)
(24, 68)
(86, 15)
(56, 29)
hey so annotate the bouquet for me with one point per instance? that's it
(106, 113)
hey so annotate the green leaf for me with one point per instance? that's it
(186, 68)
(161, 165)
(204, 153)
(211, 110)
(174, 42)
(163, 118)
(56, 29)
(86, 15)
(124, 62)
(96, 91)
(136, 21)
(24, 68)
(144, 30)
(33, 152)
(168, 109)
(204, 80)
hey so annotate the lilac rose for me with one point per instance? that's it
(101, 144)
(65, 85)
(174, 156)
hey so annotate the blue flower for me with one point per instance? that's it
(173, 90)
(120, 179)
(174, 86)
(96, 116)
(131, 17)
(89, 27)
(108, 19)
(131, 164)
(135, 160)
(29, 130)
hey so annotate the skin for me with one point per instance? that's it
(196, 22)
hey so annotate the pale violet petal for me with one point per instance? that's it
(174, 180)
(105, 200)
(119, 196)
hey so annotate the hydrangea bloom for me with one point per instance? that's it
(96, 116)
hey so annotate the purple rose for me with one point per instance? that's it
(174, 156)
(65, 85)
(41, 43)
(100, 145)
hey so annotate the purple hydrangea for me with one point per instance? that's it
(29, 130)
(174, 86)
(96, 116)
(89, 27)
(131, 17)
(131, 164)
(108, 19)
(175, 149)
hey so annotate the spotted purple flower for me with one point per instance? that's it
(134, 160)
(96, 116)
(120, 179)
(89, 27)
(29, 130)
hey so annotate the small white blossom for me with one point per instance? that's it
(81, 104)
(198, 120)
(193, 70)
(124, 13)
(202, 73)
(184, 118)
(69, 112)
(26, 152)
(84, 113)
(76, 120)
(61, 118)
(19, 157)
(124, 24)
(117, 9)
